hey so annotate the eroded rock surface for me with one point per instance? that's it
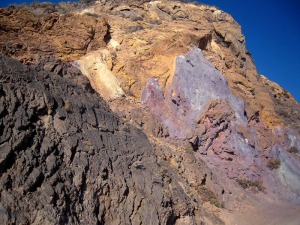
(138, 112)
(67, 159)
(25, 35)
(195, 83)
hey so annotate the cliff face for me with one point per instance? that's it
(138, 112)
(67, 159)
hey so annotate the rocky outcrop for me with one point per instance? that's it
(199, 108)
(138, 112)
(25, 36)
(195, 83)
(285, 104)
(97, 67)
(67, 159)
(139, 45)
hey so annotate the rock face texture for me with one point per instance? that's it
(67, 159)
(67, 36)
(139, 112)
(184, 100)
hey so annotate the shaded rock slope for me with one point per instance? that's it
(139, 112)
(67, 159)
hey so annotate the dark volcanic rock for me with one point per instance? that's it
(65, 158)
(208, 124)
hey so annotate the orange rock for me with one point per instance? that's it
(143, 39)
(25, 36)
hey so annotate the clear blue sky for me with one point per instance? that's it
(272, 30)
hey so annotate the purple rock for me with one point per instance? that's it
(195, 83)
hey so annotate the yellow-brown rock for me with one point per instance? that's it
(24, 35)
(143, 41)
(181, 75)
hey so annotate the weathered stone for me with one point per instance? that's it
(177, 71)
(58, 173)
(68, 36)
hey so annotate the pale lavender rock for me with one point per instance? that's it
(195, 83)
(289, 170)
(153, 97)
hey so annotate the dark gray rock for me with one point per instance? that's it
(65, 158)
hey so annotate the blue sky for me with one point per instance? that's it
(272, 30)
(5, 3)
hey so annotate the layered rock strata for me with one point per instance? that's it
(183, 124)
